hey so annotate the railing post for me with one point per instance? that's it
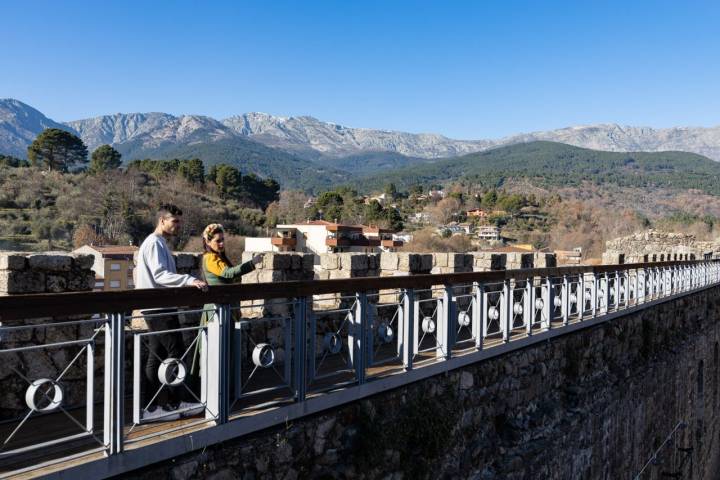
(408, 328)
(617, 290)
(506, 311)
(651, 283)
(565, 298)
(417, 324)
(358, 335)
(477, 315)
(594, 294)
(446, 329)
(217, 346)
(673, 279)
(605, 293)
(299, 351)
(529, 305)
(114, 401)
(640, 292)
(580, 296)
(626, 287)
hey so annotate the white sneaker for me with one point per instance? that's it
(190, 409)
(160, 415)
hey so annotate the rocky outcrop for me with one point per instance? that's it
(20, 123)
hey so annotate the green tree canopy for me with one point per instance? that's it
(192, 170)
(227, 179)
(104, 158)
(330, 206)
(57, 150)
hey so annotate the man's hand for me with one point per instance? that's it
(200, 284)
(257, 258)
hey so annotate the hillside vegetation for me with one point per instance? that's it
(549, 164)
(45, 210)
(247, 156)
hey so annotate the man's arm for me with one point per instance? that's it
(161, 273)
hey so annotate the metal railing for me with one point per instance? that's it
(82, 381)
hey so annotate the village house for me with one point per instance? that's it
(320, 236)
(113, 265)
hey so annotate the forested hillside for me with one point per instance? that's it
(548, 164)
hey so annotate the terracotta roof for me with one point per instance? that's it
(329, 225)
(374, 229)
(315, 222)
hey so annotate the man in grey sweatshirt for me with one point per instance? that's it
(156, 269)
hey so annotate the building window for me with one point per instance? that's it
(115, 267)
(114, 283)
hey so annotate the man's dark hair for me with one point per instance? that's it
(167, 209)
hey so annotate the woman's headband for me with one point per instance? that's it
(211, 230)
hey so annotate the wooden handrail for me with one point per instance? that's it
(17, 307)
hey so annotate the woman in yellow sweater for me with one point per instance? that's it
(217, 269)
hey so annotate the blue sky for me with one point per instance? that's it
(477, 69)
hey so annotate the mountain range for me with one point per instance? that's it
(298, 148)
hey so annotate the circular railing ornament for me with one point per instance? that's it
(332, 343)
(44, 395)
(385, 333)
(263, 355)
(517, 308)
(172, 372)
(588, 296)
(572, 298)
(539, 304)
(557, 301)
(493, 313)
(428, 325)
(463, 319)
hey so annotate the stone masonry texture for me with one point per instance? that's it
(656, 246)
(49, 272)
(593, 404)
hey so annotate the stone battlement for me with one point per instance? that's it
(47, 272)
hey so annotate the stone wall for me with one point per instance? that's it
(49, 272)
(405, 263)
(544, 260)
(452, 263)
(487, 261)
(348, 265)
(655, 246)
(517, 260)
(588, 405)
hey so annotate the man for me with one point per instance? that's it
(156, 269)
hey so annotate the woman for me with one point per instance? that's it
(217, 269)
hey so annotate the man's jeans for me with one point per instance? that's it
(161, 347)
